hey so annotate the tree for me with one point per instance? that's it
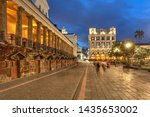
(128, 49)
(116, 49)
(141, 53)
(139, 34)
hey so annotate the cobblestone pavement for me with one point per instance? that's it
(117, 83)
(61, 85)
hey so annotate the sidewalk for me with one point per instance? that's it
(26, 79)
(54, 86)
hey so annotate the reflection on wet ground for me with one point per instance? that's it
(118, 83)
(126, 70)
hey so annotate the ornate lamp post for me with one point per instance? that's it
(116, 53)
(128, 49)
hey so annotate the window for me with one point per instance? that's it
(108, 45)
(92, 38)
(113, 38)
(102, 44)
(97, 44)
(97, 38)
(92, 44)
(103, 38)
(108, 38)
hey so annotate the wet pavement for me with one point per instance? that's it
(115, 83)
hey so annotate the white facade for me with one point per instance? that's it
(100, 42)
(80, 54)
(72, 37)
(42, 5)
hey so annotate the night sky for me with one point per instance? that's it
(78, 15)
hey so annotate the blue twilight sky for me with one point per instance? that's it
(78, 15)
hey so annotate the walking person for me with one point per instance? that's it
(97, 67)
(104, 65)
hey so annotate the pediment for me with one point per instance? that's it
(16, 56)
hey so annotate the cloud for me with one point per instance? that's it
(78, 15)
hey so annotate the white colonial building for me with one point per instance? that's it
(100, 43)
(72, 37)
(80, 54)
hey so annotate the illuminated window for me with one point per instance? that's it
(92, 38)
(47, 38)
(42, 37)
(12, 10)
(93, 44)
(34, 31)
(24, 25)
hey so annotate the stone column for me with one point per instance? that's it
(49, 38)
(30, 34)
(3, 20)
(58, 43)
(44, 35)
(63, 47)
(54, 40)
(19, 26)
(39, 34)
(55, 43)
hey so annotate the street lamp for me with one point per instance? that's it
(116, 52)
(128, 49)
(128, 45)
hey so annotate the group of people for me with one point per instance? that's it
(99, 64)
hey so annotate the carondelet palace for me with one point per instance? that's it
(29, 42)
(100, 43)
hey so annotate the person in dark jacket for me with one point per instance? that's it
(97, 67)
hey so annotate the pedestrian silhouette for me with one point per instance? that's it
(104, 65)
(97, 67)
